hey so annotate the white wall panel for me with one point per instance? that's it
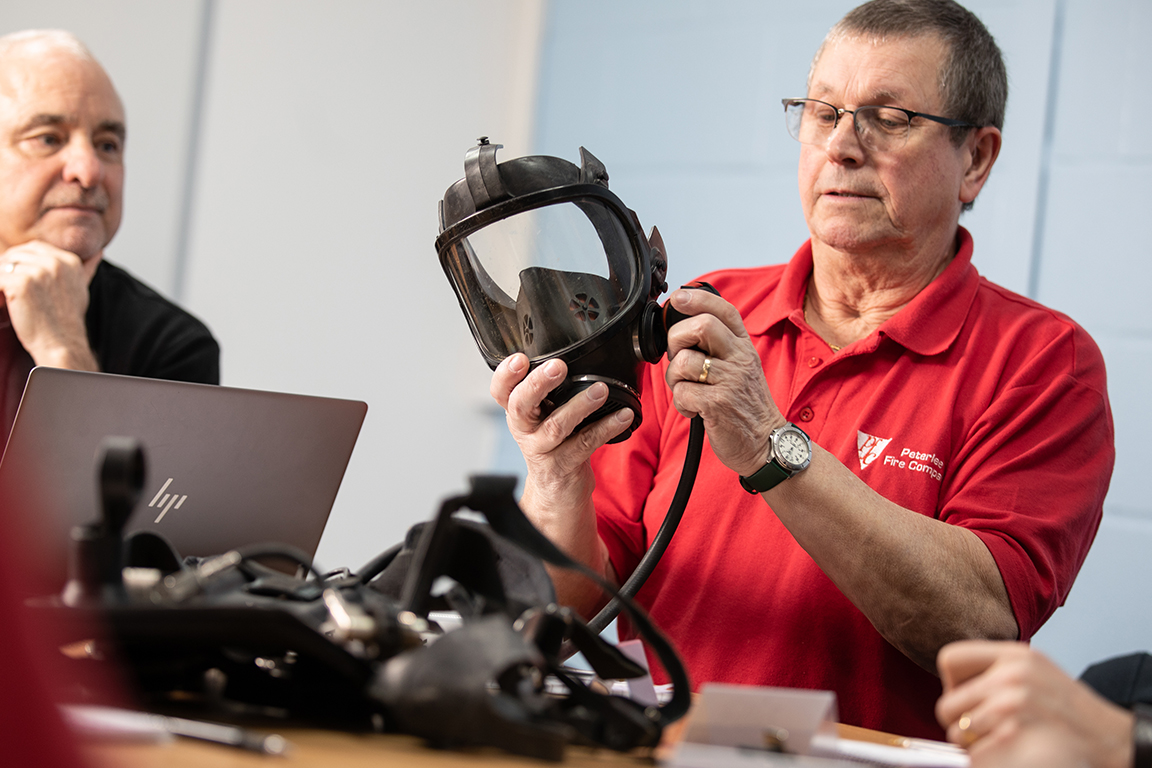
(331, 132)
(1103, 616)
(1097, 264)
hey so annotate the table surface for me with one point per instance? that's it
(315, 748)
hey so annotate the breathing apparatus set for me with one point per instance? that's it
(237, 636)
(546, 261)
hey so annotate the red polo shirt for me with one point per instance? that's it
(972, 405)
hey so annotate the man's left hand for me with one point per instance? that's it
(46, 291)
(733, 399)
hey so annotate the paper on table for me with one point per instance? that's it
(730, 727)
(750, 716)
(640, 689)
(918, 753)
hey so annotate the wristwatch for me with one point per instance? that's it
(789, 452)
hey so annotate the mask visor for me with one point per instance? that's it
(544, 280)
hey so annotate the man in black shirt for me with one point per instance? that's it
(62, 135)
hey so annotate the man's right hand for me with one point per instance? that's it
(46, 292)
(553, 454)
(558, 490)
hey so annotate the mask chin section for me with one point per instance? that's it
(620, 395)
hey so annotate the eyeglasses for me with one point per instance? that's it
(880, 129)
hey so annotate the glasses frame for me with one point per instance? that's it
(840, 112)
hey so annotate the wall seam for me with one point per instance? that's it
(192, 156)
(1044, 177)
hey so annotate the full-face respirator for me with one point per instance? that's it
(545, 260)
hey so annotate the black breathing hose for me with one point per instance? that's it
(664, 535)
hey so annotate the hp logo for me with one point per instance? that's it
(169, 500)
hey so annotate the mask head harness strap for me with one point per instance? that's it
(484, 182)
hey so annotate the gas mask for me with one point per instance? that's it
(545, 260)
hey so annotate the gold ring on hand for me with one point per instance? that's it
(704, 371)
(965, 726)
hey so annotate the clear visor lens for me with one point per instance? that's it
(543, 280)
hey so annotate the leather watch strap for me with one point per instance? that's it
(767, 477)
(1142, 737)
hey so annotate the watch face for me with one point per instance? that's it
(793, 450)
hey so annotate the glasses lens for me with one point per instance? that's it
(882, 128)
(809, 122)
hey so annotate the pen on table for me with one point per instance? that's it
(268, 744)
(114, 722)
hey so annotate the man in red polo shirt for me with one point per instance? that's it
(900, 454)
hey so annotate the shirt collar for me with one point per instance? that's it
(927, 325)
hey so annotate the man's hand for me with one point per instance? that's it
(734, 401)
(553, 454)
(1011, 706)
(46, 292)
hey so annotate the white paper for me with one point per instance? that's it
(918, 754)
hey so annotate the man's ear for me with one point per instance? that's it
(981, 149)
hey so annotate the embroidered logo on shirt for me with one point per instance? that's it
(869, 447)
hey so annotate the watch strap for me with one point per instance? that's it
(766, 478)
(1142, 737)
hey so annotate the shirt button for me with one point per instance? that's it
(814, 361)
(806, 414)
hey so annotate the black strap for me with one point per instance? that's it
(493, 496)
(1142, 737)
(764, 479)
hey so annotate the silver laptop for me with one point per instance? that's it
(225, 467)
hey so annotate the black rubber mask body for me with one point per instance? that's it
(546, 261)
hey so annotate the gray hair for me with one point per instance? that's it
(973, 80)
(46, 39)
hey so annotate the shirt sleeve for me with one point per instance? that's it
(1033, 471)
(135, 331)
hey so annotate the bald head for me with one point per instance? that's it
(61, 144)
(42, 40)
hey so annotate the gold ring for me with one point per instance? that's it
(704, 372)
(965, 724)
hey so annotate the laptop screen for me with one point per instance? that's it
(225, 466)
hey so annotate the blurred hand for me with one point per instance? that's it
(1011, 706)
